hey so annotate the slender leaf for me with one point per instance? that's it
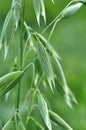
(44, 110)
(10, 25)
(60, 77)
(6, 23)
(49, 48)
(16, 7)
(7, 31)
(37, 8)
(58, 120)
(8, 81)
(45, 63)
(43, 10)
(28, 102)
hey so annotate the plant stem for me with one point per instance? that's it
(21, 43)
(18, 97)
(21, 52)
(58, 17)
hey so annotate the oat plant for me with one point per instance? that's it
(45, 64)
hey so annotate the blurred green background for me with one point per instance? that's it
(69, 39)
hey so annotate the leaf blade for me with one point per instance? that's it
(48, 46)
(43, 108)
(8, 81)
(60, 78)
(37, 8)
(45, 64)
(58, 120)
(43, 10)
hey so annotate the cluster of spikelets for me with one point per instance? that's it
(46, 58)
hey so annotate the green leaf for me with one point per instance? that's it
(7, 31)
(10, 125)
(32, 124)
(72, 9)
(44, 110)
(6, 23)
(49, 48)
(45, 63)
(58, 120)
(8, 81)
(43, 10)
(10, 25)
(16, 7)
(60, 78)
(29, 100)
(29, 43)
(39, 8)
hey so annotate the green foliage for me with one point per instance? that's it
(8, 81)
(39, 9)
(45, 63)
(58, 120)
(44, 110)
(46, 67)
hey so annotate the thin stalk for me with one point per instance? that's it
(58, 16)
(18, 96)
(51, 32)
(21, 53)
(21, 43)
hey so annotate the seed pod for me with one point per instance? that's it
(71, 10)
(9, 80)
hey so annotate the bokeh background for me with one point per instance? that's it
(69, 40)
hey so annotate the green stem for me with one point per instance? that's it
(21, 43)
(52, 30)
(58, 17)
(21, 53)
(21, 33)
(18, 97)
